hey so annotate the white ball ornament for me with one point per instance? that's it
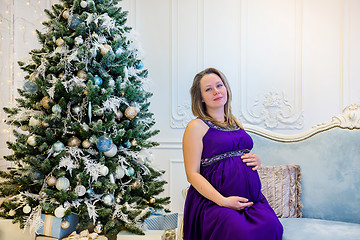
(83, 4)
(31, 140)
(27, 209)
(62, 183)
(119, 172)
(59, 212)
(80, 190)
(104, 170)
(34, 122)
(51, 181)
(112, 152)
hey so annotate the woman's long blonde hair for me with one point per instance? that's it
(198, 107)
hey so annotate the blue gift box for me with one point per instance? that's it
(52, 226)
(163, 221)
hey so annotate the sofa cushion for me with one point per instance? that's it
(281, 187)
(315, 229)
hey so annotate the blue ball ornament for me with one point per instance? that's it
(30, 87)
(130, 171)
(140, 65)
(56, 109)
(90, 192)
(108, 199)
(75, 21)
(104, 143)
(58, 146)
(127, 144)
(98, 80)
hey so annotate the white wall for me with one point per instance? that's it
(291, 63)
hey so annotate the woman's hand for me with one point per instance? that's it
(236, 203)
(251, 159)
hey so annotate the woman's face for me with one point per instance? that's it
(213, 91)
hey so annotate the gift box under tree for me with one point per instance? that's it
(159, 220)
(57, 227)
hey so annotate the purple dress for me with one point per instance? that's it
(222, 166)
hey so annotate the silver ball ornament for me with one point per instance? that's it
(119, 172)
(80, 190)
(27, 209)
(104, 170)
(108, 199)
(62, 184)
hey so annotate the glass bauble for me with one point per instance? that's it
(80, 190)
(62, 184)
(34, 122)
(31, 140)
(130, 112)
(45, 101)
(56, 109)
(65, 224)
(30, 87)
(104, 143)
(112, 152)
(58, 146)
(51, 181)
(73, 142)
(119, 172)
(108, 199)
(59, 212)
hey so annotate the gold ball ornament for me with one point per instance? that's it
(59, 42)
(130, 112)
(31, 140)
(104, 49)
(61, 75)
(66, 14)
(32, 77)
(133, 143)
(24, 127)
(152, 200)
(51, 181)
(44, 124)
(82, 74)
(86, 144)
(65, 224)
(73, 142)
(45, 102)
(119, 115)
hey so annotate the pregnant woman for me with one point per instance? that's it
(224, 201)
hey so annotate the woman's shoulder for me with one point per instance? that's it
(197, 125)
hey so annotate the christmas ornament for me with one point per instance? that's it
(33, 77)
(65, 224)
(75, 21)
(133, 143)
(118, 198)
(62, 184)
(80, 190)
(130, 112)
(98, 80)
(44, 124)
(30, 87)
(34, 122)
(140, 65)
(56, 109)
(58, 146)
(93, 139)
(61, 75)
(73, 142)
(12, 213)
(42, 194)
(98, 112)
(130, 171)
(118, 51)
(31, 140)
(90, 192)
(27, 209)
(86, 144)
(76, 109)
(118, 115)
(119, 172)
(104, 143)
(111, 178)
(136, 184)
(82, 74)
(24, 127)
(111, 83)
(94, 35)
(45, 101)
(108, 199)
(112, 152)
(152, 200)
(83, 4)
(98, 228)
(66, 14)
(59, 212)
(127, 144)
(104, 49)
(104, 170)
(85, 127)
(59, 42)
(78, 41)
(51, 181)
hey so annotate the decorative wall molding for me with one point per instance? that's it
(274, 115)
(273, 111)
(180, 106)
(348, 119)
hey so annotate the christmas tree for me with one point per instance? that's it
(83, 125)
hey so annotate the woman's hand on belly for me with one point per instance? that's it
(236, 203)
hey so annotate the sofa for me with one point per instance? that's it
(328, 156)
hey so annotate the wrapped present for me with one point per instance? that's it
(159, 220)
(56, 227)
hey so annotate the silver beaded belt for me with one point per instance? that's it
(213, 159)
